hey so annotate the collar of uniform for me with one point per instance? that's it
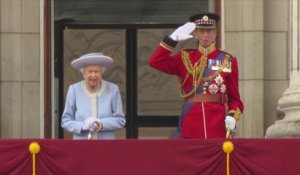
(208, 50)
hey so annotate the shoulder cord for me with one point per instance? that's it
(197, 71)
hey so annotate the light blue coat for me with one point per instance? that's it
(78, 107)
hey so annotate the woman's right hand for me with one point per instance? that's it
(183, 32)
(88, 123)
(92, 124)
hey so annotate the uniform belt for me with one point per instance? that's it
(220, 98)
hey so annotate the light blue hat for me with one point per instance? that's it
(92, 59)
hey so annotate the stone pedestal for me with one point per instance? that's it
(289, 104)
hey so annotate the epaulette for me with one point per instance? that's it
(188, 50)
(227, 53)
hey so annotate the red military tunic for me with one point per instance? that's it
(202, 119)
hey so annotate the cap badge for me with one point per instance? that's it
(205, 18)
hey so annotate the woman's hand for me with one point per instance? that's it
(92, 124)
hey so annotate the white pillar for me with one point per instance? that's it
(289, 104)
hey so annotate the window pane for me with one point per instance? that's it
(156, 133)
(158, 93)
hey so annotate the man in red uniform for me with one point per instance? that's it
(209, 79)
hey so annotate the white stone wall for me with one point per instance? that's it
(244, 39)
(276, 56)
(20, 64)
(256, 32)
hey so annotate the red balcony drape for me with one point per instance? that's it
(149, 157)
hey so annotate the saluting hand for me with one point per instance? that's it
(183, 32)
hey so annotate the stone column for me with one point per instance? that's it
(289, 104)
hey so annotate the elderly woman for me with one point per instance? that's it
(93, 108)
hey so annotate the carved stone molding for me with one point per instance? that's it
(284, 128)
(289, 104)
(290, 100)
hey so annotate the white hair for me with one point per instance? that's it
(81, 70)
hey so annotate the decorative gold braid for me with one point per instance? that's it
(187, 62)
(196, 71)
